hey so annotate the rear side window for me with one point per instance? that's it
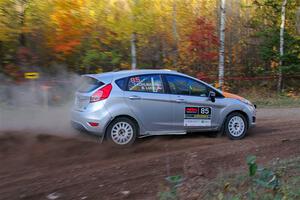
(185, 86)
(121, 83)
(146, 83)
(89, 84)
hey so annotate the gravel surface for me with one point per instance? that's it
(42, 166)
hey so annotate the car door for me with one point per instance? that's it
(191, 107)
(146, 97)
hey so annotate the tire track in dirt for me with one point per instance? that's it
(34, 166)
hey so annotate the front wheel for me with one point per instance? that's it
(236, 126)
(122, 132)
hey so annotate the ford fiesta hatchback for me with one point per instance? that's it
(125, 105)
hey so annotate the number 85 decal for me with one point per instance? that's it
(205, 111)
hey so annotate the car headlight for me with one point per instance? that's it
(246, 102)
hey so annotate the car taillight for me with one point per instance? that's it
(101, 94)
(93, 123)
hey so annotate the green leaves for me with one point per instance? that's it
(92, 34)
(265, 177)
(268, 179)
(174, 182)
(97, 60)
(279, 181)
(175, 179)
(251, 162)
(261, 178)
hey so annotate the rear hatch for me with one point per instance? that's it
(86, 89)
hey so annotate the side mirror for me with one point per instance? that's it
(212, 96)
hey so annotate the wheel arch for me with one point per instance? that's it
(120, 116)
(237, 111)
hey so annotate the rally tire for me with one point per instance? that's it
(122, 132)
(236, 126)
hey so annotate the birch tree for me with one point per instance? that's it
(222, 44)
(175, 32)
(133, 51)
(298, 20)
(281, 48)
(133, 38)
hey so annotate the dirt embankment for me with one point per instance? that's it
(41, 166)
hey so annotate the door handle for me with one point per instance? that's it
(180, 100)
(134, 97)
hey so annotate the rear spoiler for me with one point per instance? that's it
(100, 77)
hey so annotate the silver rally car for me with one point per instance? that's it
(125, 105)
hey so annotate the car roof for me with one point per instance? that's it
(108, 76)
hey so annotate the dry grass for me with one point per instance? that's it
(264, 98)
(240, 186)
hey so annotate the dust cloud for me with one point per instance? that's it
(38, 106)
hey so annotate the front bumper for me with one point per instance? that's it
(251, 113)
(253, 118)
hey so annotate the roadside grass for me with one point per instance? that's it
(265, 99)
(280, 181)
(170, 191)
(276, 102)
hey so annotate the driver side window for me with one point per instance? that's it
(185, 86)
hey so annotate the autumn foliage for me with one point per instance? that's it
(92, 36)
(70, 25)
(203, 41)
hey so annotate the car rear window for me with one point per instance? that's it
(89, 84)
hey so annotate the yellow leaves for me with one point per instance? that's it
(117, 19)
(71, 20)
(274, 64)
(92, 13)
(124, 66)
(66, 26)
(98, 70)
(226, 186)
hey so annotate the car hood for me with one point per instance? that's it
(232, 96)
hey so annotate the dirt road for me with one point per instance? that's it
(41, 166)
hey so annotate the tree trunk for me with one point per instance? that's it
(133, 51)
(133, 37)
(21, 12)
(222, 43)
(1, 56)
(281, 49)
(175, 32)
(298, 20)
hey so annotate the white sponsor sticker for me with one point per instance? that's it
(197, 122)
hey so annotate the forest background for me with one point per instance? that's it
(94, 36)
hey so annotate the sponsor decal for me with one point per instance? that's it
(191, 110)
(135, 79)
(197, 122)
(197, 116)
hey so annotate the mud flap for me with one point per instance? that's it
(102, 138)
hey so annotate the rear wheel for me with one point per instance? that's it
(122, 132)
(236, 126)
